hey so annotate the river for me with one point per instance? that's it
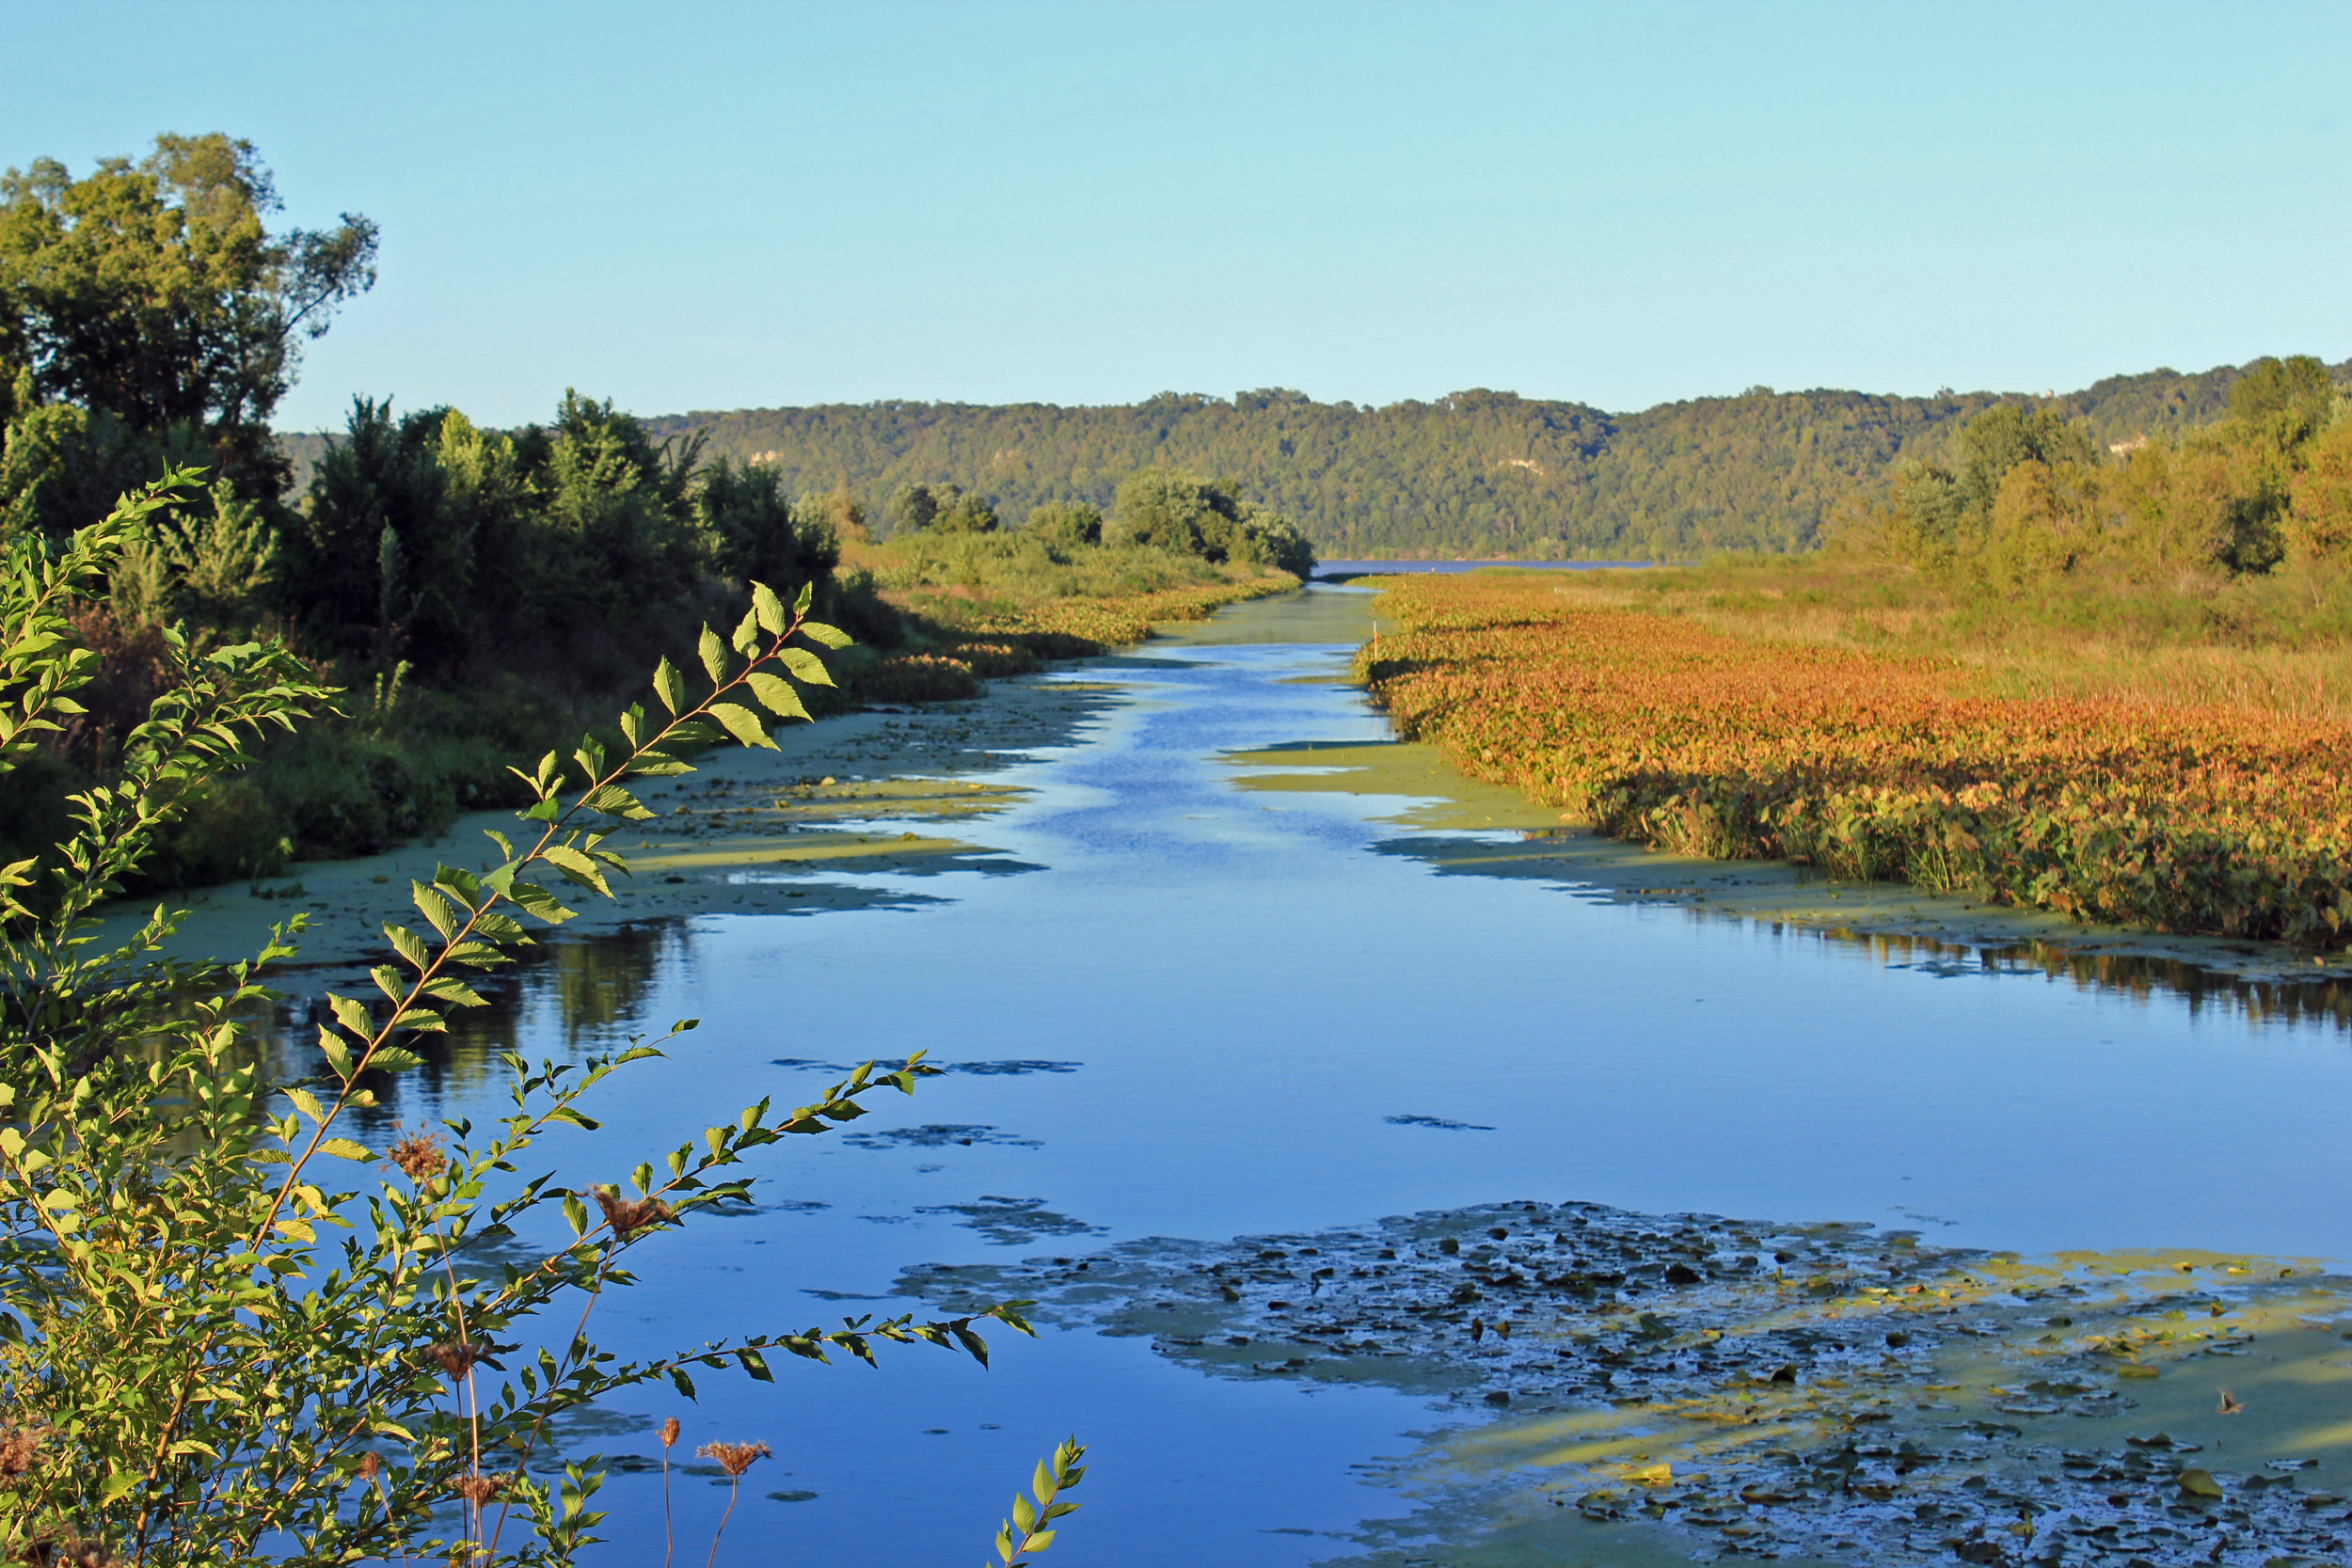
(1214, 1010)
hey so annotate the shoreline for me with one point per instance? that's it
(749, 831)
(1552, 847)
(755, 832)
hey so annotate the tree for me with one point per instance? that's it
(155, 292)
(1066, 523)
(757, 535)
(2000, 438)
(1184, 513)
(2286, 400)
(941, 509)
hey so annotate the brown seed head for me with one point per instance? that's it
(19, 1446)
(370, 1464)
(70, 1551)
(456, 1359)
(478, 1490)
(734, 1458)
(420, 1155)
(628, 1215)
(669, 1433)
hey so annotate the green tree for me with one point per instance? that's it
(941, 509)
(2000, 438)
(155, 293)
(2285, 400)
(756, 535)
(1066, 523)
(1190, 516)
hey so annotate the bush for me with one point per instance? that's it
(916, 678)
(195, 1370)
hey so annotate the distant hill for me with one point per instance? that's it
(1476, 473)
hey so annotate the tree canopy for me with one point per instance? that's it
(1478, 473)
(153, 298)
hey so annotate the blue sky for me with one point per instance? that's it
(725, 205)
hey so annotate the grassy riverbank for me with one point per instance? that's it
(1738, 740)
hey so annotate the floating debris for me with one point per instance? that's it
(1827, 1392)
(1012, 1221)
(938, 1134)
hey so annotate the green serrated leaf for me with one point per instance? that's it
(576, 866)
(437, 909)
(832, 637)
(351, 1015)
(668, 686)
(806, 666)
(776, 695)
(769, 609)
(343, 1148)
(714, 656)
(743, 724)
(408, 945)
(538, 902)
(614, 800)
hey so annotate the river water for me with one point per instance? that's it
(1213, 1012)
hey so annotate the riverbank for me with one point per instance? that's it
(1518, 837)
(794, 831)
(1862, 769)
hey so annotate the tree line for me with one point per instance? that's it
(2027, 499)
(1477, 473)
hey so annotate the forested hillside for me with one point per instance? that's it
(1477, 473)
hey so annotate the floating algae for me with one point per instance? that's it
(1829, 1392)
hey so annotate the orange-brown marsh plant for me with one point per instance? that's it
(221, 1378)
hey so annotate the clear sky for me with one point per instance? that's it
(698, 205)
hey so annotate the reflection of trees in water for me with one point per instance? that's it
(563, 998)
(2318, 1000)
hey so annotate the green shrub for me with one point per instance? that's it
(231, 1334)
(918, 678)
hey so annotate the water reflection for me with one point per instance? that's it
(565, 997)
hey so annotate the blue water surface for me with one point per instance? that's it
(1222, 998)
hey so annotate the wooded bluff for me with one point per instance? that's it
(1475, 473)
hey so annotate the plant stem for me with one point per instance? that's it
(735, 1486)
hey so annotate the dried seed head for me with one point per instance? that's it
(370, 1464)
(19, 1446)
(669, 1433)
(420, 1155)
(478, 1490)
(734, 1458)
(69, 1551)
(628, 1215)
(456, 1359)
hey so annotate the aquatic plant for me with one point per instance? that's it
(1817, 1392)
(2228, 821)
(229, 1332)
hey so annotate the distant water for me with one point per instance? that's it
(1360, 568)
